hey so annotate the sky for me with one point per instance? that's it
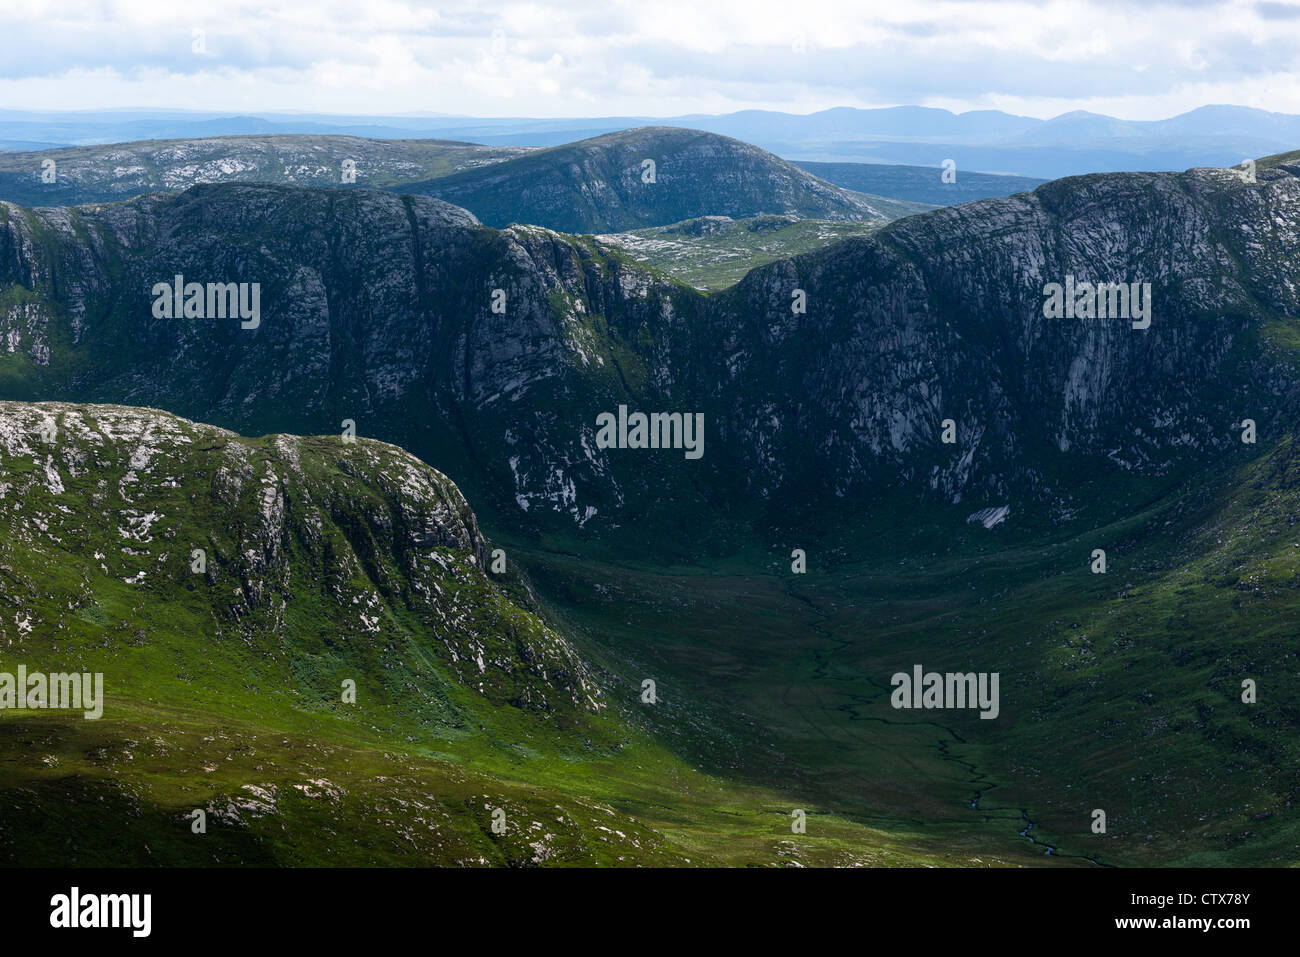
(1137, 60)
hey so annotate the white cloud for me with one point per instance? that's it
(666, 57)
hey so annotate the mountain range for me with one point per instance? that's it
(989, 141)
(898, 409)
(375, 305)
(920, 184)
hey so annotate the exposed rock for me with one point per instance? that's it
(303, 540)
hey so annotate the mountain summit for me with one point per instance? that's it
(651, 176)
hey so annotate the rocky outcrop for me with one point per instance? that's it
(330, 559)
(941, 316)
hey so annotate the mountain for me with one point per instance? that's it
(942, 315)
(379, 308)
(645, 177)
(228, 589)
(823, 434)
(340, 554)
(374, 307)
(911, 122)
(222, 592)
(919, 184)
(989, 141)
(100, 174)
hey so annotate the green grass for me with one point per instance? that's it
(720, 259)
(1119, 691)
(223, 687)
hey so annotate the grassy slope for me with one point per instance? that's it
(215, 703)
(1119, 691)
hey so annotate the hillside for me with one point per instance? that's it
(322, 560)
(118, 171)
(601, 185)
(225, 686)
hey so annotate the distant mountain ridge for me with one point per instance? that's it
(114, 172)
(588, 187)
(1073, 143)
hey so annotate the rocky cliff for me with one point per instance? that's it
(495, 352)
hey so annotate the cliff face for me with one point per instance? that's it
(380, 308)
(373, 307)
(942, 316)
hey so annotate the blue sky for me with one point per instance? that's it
(1138, 60)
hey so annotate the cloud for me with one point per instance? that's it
(667, 57)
